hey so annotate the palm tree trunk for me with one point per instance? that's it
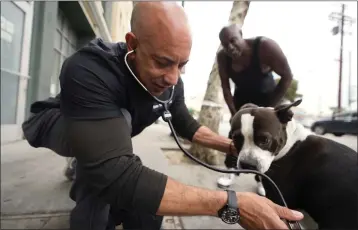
(211, 108)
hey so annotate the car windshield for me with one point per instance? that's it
(345, 116)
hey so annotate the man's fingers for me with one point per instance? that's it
(282, 225)
(288, 214)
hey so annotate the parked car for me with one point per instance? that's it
(307, 122)
(339, 124)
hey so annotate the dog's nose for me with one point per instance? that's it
(245, 165)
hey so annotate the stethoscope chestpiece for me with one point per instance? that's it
(166, 116)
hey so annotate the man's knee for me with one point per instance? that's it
(134, 220)
(46, 129)
(90, 215)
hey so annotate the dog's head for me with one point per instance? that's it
(259, 134)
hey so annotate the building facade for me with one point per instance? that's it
(36, 37)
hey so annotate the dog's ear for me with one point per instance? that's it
(284, 112)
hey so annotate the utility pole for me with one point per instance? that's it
(349, 80)
(341, 18)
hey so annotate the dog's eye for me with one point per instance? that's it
(238, 140)
(263, 140)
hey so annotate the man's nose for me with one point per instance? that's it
(248, 165)
(230, 47)
(171, 78)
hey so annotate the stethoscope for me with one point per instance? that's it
(166, 116)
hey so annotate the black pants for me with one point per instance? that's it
(90, 213)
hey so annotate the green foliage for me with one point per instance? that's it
(191, 111)
(291, 93)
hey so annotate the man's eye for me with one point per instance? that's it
(181, 66)
(161, 64)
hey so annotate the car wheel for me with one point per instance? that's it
(319, 130)
(338, 134)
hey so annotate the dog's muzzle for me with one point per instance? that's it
(246, 165)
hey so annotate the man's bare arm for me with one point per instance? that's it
(272, 55)
(180, 199)
(205, 137)
(225, 83)
(189, 128)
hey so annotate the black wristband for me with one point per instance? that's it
(231, 199)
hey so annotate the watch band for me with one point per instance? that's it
(231, 199)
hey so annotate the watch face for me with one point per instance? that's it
(230, 216)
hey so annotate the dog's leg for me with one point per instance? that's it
(260, 187)
(226, 180)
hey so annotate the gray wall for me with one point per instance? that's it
(107, 8)
(42, 44)
(41, 58)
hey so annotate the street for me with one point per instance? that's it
(348, 140)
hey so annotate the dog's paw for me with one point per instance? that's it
(226, 180)
(260, 189)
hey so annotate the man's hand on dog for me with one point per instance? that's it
(257, 212)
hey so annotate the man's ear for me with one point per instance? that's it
(284, 113)
(131, 41)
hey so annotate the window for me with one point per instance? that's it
(107, 12)
(64, 46)
(12, 32)
(345, 117)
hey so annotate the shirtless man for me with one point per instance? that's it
(249, 64)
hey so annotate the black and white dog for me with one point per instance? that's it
(314, 174)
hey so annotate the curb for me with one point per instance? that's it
(172, 222)
(32, 216)
(169, 222)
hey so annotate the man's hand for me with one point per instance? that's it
(257, 212)
(205, 137)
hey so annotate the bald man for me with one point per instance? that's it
(249, 63)
(101, 106)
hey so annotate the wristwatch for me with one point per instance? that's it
(230, 212)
